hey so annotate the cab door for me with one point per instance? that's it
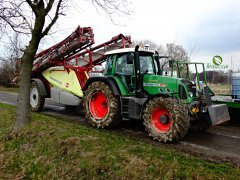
(125, 70)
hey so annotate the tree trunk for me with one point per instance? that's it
(23, 100)
(40, 9)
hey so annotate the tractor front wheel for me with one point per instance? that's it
(165, 119)
(102, 108)
(36, 99)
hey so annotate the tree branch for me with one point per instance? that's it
(49, 6)
(33, 7)
(45, 32)
(12, 25)
(111, 7)
(25, 19)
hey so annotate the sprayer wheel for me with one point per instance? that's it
(36, 99)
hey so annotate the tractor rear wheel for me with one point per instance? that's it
(165, 119)
(102, 108)
(36, 99)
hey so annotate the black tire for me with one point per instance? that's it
(36, 99)
(201, 124)
(110, 106)
(176, 122)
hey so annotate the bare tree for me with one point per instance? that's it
(35, 18)
(9, 66)
(13, 14)
(176, 52)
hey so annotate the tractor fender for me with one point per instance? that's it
(42, 88)
(108, 80)
(157, 95)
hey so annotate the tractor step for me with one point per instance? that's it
(125, 107)
(131, 107)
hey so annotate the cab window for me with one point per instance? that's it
(146, 64)
(109, 65)
(122, 67)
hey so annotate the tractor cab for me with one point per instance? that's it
(122, 65)
(138, 73)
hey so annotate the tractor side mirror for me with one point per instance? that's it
(129, 59)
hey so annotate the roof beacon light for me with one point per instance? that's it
(146, 47)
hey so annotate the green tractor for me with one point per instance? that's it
(134, 87)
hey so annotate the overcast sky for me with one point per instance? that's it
(206, 27)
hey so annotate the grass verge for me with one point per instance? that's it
(49, 148)
(5, 89)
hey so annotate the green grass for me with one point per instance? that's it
(51, 148)
(12, 89)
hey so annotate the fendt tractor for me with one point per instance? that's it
(132, 87)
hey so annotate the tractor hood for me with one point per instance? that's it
(155, 84)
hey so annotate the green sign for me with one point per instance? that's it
(217, 60)
(217, 63)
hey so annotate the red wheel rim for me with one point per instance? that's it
(155, 120)
(98, 105)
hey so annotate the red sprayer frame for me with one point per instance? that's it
(80, 39)
(75, 53)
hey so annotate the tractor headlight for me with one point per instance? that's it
(190, 94)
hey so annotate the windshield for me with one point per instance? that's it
(146, 64)
(122, 67)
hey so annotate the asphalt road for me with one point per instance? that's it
(220, 144)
